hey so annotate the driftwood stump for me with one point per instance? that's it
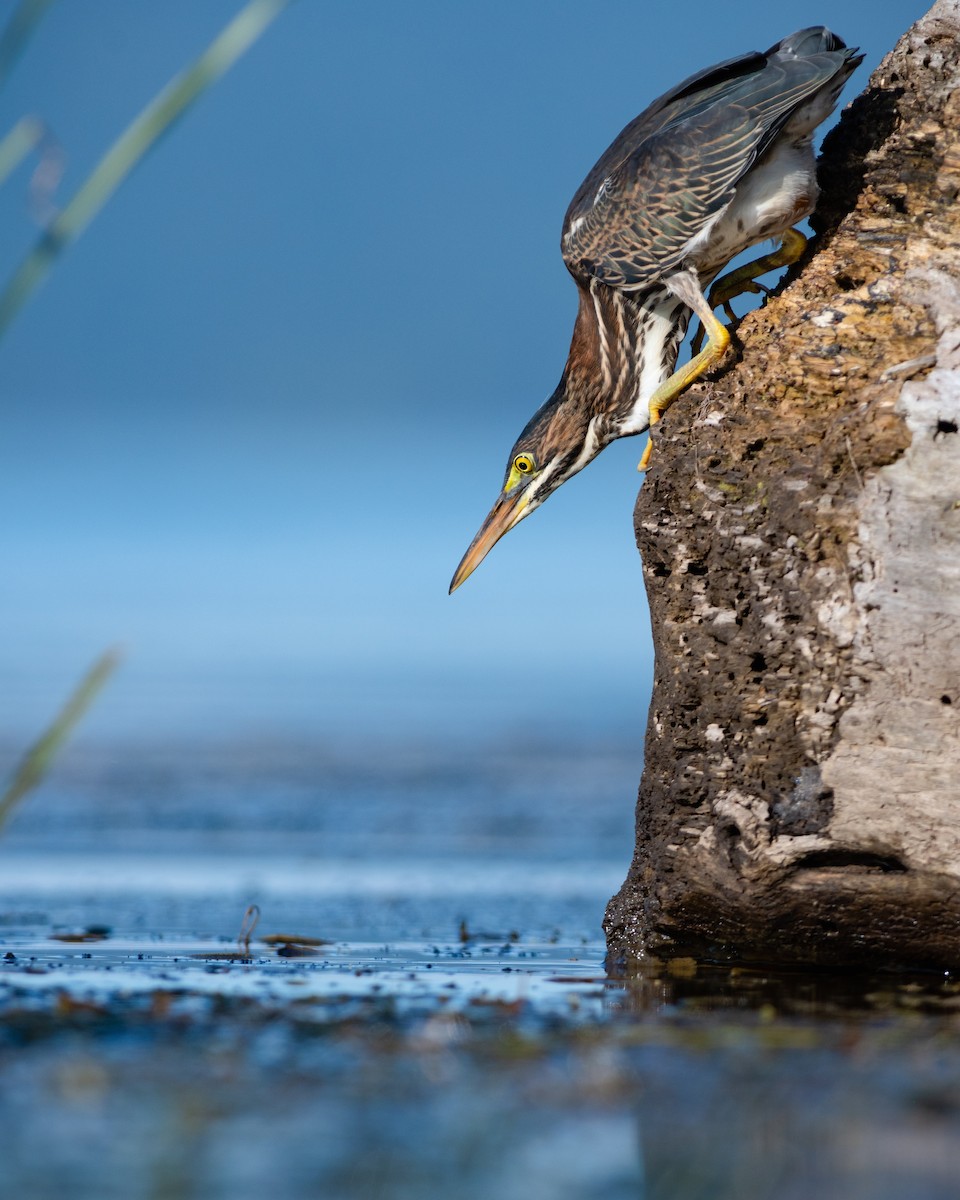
(800, 535)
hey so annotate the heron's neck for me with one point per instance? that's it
(624, 346)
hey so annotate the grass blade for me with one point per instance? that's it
(139, 136)
(36, 762)
(22, 140)
(16, 34)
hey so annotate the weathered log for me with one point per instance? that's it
(800, 536)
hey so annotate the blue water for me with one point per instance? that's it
(455, 1035)
(345, 841)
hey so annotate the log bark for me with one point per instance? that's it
(800, 536)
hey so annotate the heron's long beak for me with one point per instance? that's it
(508, 510)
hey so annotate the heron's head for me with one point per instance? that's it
(558, 442)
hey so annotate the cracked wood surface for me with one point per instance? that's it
(800, 535)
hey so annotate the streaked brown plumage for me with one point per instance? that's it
(720, 162)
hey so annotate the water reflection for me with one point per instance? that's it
(458, 1036)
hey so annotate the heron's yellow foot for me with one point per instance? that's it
(670, 389)
(744, 279)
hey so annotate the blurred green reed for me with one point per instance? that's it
(22, 140)
(25, 19)
(37, 760)
(136, 140)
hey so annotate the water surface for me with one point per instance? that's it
(453, 1032)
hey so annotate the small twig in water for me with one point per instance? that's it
(249, 923)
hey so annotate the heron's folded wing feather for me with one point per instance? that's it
(637, 225)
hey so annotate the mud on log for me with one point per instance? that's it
(800, 536)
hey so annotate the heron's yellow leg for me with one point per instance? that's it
(744, 279)
(670, 389)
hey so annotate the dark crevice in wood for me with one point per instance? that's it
(849, 860)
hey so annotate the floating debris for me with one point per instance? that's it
(92, 933)
(293, 939)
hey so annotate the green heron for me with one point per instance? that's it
(721, 162)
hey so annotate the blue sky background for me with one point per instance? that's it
(256, 414)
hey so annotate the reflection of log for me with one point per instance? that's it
(800, 533)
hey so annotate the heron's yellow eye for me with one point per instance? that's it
(524, 463)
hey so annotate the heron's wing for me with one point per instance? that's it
(703, 83)
(636, 223)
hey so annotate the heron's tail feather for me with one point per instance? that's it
(818, 39)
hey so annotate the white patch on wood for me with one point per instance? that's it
(900, 738)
